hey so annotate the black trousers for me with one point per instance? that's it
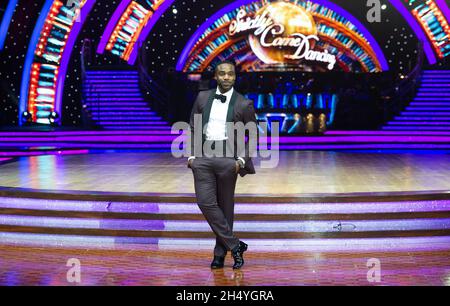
(215, 182)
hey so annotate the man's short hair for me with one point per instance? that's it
(230, 62)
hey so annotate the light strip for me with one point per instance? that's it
(6, 22)
(161, 9)
(111, 25)
(30, 57)
(146, 31)
(60, 62)
(68, 51)
(124, 36)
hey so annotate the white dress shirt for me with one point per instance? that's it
(216, 129)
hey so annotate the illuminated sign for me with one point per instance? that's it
(281, 32)
(289, 35)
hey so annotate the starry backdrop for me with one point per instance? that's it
(162, 47)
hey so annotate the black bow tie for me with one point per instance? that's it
(222, 98)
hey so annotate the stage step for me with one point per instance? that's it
(126, 112)
(422, 99)
(427, 108)
(429, 104)
(432, 77)
(412, 113)
(115, 101)
(435, 79)
(420, 123)
(97, 91)
(432, 94)
(115, 95)
(430, 109)
(95, 98)
(137, 127)
(145, 135)
(416, 128)
(8, 148)
(101, 105)
(420, 118)
(125, 82)
(125, 119)
(126, 109)
(262, 218)
(129, 123)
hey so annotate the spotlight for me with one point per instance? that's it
(53, 118)
(322, 123)
(309, 123)
(175, 11)
(27, 117)
(384, 6)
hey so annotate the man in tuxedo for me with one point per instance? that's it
(215, 177)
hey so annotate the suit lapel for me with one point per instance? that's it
(230, 117)
(207, 110)
(230, 114)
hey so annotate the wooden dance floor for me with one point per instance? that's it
(151, 266)
(298, 172)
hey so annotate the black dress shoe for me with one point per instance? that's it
(217, 262)
(238, 255)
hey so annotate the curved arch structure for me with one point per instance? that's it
(48, 56)
(130, 24)
(116, 16)
(435, 24)
(364, 45)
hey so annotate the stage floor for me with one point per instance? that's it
(149, 265)
(298, 173)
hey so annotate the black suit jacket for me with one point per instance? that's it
(240, 110)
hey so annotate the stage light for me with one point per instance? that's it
(175, 11)
(27, 117)
(322, 123)
(309, 123)
(384, 6)
(53, 118)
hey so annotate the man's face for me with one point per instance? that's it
(225, 77)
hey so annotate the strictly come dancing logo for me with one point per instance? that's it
(281, 33)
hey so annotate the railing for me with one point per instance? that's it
(152, 89)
